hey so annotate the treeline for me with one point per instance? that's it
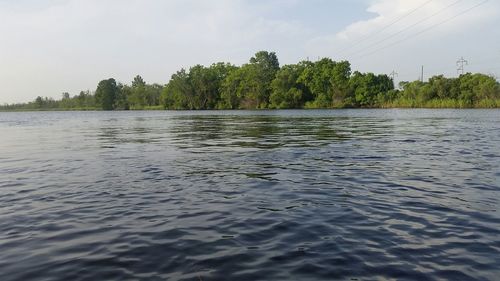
(85, 100)
(263, 84)
(467, 91)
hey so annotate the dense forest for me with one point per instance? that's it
(263, 84)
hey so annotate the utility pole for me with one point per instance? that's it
(460, 65)
(422, 76)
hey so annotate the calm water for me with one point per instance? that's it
(271, 195)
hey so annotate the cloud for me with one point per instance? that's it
(426, 13)
(395, 20)
(52, 46)
(403, 35)
(68, 45)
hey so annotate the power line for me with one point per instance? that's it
(448, 71)
(385, 27)
(424, 30)
(407, 28)
(485, 60)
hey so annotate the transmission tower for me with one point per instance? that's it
(460, 65)
(393, 75)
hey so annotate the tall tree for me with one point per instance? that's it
(231, 90)
(204, 85)
(106, 94)
(178, 94)
(262, 71)
(137, 94)
(287, 91)
(249, 86)
(318, 78)
(368, 87)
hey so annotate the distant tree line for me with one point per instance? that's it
(83, 101)
(263, 84)
(466, 91)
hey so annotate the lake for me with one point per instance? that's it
(250, 195)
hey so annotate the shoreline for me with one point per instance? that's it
(236, 110)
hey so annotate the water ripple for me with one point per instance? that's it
(250, 195)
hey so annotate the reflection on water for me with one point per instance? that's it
(261, 132)
(250, 195)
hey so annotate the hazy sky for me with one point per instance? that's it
(51, 46)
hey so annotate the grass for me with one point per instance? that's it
(441, 103)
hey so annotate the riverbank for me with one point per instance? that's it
(435, 104)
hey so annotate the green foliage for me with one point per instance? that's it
(84, 100)
(141, 95)
(249, 87)
(328, 82)
(197, 89)
(137, 93)
(121, 98)
(370, 90)
(178, 94)
(245, 89)
(231, 89)
(106, 94)
(287, 90)
(261, 83)
(468, 90)
(44, 103)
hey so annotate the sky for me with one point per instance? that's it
(48, 47)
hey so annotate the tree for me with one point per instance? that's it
(122, 97)
(231, 90)
(66, 101)
(474, 87)
(85, 99)
(106, 94)
(219, 72)
(287, 91)
(153, 94)
(367, 88)
(39, 102)
(320, 78)
(341, 74)
(204, 85)
(261, 83)
(137, 93)
(260, 73)
(266, 61)
(178, 94)
(249, 86)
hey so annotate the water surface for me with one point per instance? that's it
(250, 195)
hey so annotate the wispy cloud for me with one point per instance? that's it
(403, 18)
(51, 46)
(401, 32)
